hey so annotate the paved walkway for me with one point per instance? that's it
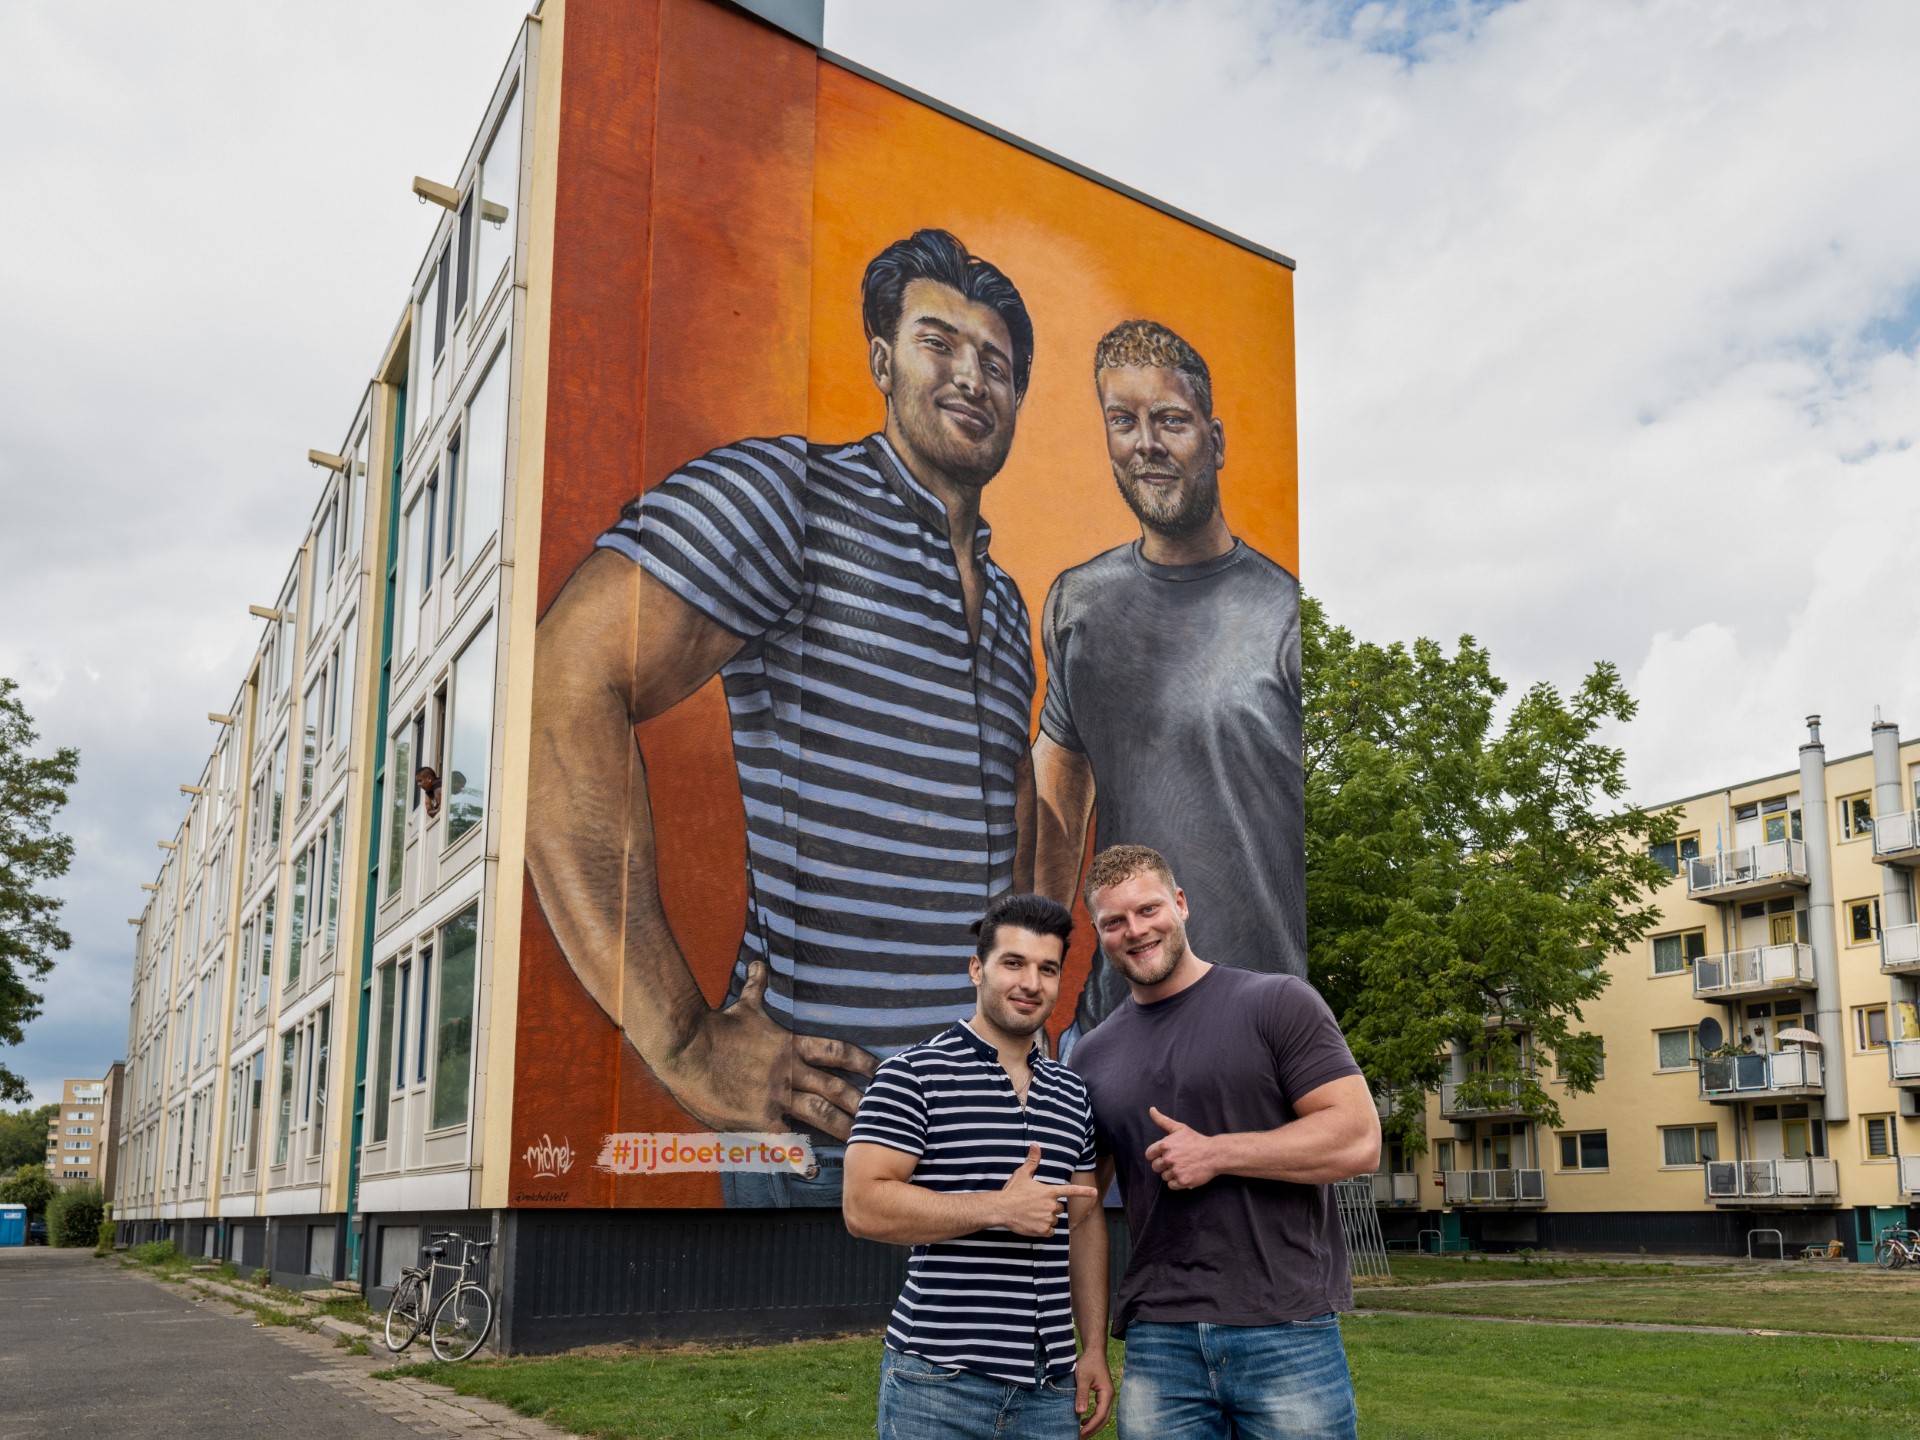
(89, 1348)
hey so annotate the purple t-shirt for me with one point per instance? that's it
(1231, 1052)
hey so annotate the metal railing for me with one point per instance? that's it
(1761, 1072)
(1896, 834)
(1766, 967)
(1900, 948)
(1813, 1178)
(1503, 1098)
(1903, 1059)
(1401, 1187)
(1493, 1187)
(1366, 1246)
(1910, 1174)
(1749, 865)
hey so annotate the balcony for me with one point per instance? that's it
(1504, 1189)
(1767, 970)
(1900, 950)
(1813, 1181)
(1399, 1188)
(1761, 1076)
(1910, 1174)
(1754, 872)
(1896, 839)
(1502, 1098)
(1903, 1062)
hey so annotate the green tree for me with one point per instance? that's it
(1466, 876)
(23, 1136)
(32, 853)
(74, 1216)
(32, 1188)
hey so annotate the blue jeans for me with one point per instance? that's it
(923, 1401)
(1255, 1382)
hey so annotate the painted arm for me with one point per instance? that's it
(1087, 1281)
(615, 649)
(1334, 1135)
(1063, 804)
(1023, 820)
(881, 1202)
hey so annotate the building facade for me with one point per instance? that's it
(1762, 1047)
(82, 1140)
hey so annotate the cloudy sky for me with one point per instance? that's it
(1607, 330)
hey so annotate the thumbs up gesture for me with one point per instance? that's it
(1183, 1158)
(1029, 1208)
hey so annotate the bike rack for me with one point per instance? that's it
(1419, 1236)
(1778, 1239)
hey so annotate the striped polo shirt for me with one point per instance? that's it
(992, 1302)
(876, 744)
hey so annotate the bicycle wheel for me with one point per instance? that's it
(406, 1313)
(460, 1322)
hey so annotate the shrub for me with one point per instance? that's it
(104, 1241)
(263, 1277)
(31, 1187)
(74, 1216)
(155, 1252)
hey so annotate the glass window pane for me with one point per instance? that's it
(1593, 1150)
(485, 456)
(322, 1056)
(466, 779)
(1676, 1048)
(266, 947)
(499, 200)
(412, 536)
(383, 1054)
(453, 1049)
(1694, 945)
(399, 781)
(1877, 1028)
(1569, 1152)
(336, 829)
(1678, 1147)
(297, 918)
(286, 1100)
(1709, 1142)
(1667, 956)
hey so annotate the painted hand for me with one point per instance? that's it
(1183, 1157)
(740, 1071)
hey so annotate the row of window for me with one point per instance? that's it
(1802, 1134)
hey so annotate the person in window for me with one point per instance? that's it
(427, 780)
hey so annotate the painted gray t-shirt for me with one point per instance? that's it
(1181, 685)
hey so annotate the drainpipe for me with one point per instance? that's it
(1896, 896)
(1826, 964)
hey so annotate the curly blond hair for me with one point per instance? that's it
(1149, 343)
(1118, 864)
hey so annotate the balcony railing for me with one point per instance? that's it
(1811, 1179)
(1900, 950)
(1740, 972)
(1760, 1073)
(1781, 862)
(1399, 1188)
(1903, 1061)
(1503, 1098)
(1910, 1174)
(1494, 1187)
(1897, 838)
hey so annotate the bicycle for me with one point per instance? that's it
(456, 1326)
(1897, 1248)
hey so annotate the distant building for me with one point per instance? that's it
(1790, 915)
(81, 1139)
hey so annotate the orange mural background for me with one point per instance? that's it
(721, 190)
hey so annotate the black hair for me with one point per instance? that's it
(1024, 912)
(938, 256)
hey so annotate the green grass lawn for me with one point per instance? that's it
(1433, 1269)
(1425, 1377)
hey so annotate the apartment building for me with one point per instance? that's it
(1761, 1082)
(81, 1139)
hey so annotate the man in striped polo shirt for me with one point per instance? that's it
(967, 1148)
(879, 679)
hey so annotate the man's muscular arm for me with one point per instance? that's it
(1063, 804)
(615, 649)
(1334, 1135)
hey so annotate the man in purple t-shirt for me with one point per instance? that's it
(1226, 1101)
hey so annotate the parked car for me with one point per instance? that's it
(37, 1232)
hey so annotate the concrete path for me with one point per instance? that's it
(89, 1348)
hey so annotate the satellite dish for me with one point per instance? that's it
(1711, 1035)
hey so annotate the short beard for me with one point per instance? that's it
(969, 465)
(1173, 951)
(1191, 511)
(1006, 1018)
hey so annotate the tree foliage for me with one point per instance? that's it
(1466, 875)
(32, 854)
(74, 1216)
(32, 1188)
(23, 1136)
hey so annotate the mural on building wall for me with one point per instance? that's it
(864, 427)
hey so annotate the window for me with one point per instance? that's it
(331, 847)
(465, 780)
(452, 472)
(399, 781)
(1585, 1150)
(441, 294)
(425, 967)
(1673, 853)
(499, 199)
(320, 1050)
(1881, 1139)
(485, 456)
(1863, 921)
(412, 564)
(453, 1038)
(263, 983)
(256, 1078)
(1689, 1144)
(400, 1027)
(1443, 1155)
(383, 1054)
(1870, 1027)
(297, 917)
(286, 1100)
(279, 793)
(1856, 815)
(465, 247)
(340, 720)
(1674, 954)
(420, 384)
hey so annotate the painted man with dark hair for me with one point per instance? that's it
(1172, 716)
(879, 678)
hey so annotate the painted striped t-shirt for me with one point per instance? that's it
(993, 1302)
(876, 744)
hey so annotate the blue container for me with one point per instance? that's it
(13, 1224)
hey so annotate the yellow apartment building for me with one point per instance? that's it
(81, 1147)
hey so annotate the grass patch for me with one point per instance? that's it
(159, 1255)
(1416, 1378)
(1437, 1269)
(353, 1345)
(1850, 1301)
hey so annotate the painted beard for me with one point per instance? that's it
(1173, 950)
(967, 463)
(1176, 514)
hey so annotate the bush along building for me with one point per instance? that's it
(456, 927)
(1762, 1047)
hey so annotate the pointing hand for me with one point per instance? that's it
(1029, 1208)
